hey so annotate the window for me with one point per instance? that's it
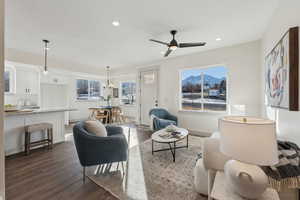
(128, 93)
(9, 79)
(88, 89)
(204, 89)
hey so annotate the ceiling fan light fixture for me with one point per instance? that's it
(173, 44)
(173, 48)
(116, 23)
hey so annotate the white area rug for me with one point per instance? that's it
(153, 177)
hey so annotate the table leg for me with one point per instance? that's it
(174, 151)
(187, 141)
(152, 148)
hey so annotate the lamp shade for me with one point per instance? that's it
(248, 139)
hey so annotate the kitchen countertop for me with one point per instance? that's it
(37, 111)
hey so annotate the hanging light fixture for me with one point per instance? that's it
(46, 48)
(109, 84)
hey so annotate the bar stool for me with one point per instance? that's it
(44, 127)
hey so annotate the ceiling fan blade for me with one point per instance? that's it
(197, 44)
(160, 42)
(168, 52)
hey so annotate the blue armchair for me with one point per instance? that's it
(162, 118)
(95, 150)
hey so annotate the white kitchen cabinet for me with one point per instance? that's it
(27, 81)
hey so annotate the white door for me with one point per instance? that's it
(148, 94)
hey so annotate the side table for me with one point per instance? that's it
(220, 191)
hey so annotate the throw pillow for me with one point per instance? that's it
(96, 127)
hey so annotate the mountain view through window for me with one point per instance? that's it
(204, 89)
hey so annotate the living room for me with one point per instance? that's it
(149, 100)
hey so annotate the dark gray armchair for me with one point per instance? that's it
(95, 150)
(162, 118)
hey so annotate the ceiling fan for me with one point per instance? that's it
(173, 45)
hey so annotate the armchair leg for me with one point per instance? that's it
(123, 168)
(97, 170)
(83, 178)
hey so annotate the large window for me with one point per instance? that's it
(128, 93)
(88, 89)
(204, 89)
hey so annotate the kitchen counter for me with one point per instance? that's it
(14, 123)
(37, 111)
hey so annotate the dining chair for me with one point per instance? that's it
(100, 114)
(117, 115)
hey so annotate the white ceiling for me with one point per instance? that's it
(81, 31)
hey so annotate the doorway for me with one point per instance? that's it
(148, 93)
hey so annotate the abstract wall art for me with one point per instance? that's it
(282, 72)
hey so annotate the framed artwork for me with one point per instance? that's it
(282, 72)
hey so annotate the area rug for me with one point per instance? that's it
(152, 177)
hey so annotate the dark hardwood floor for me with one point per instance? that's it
(54, 174)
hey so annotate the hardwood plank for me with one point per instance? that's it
(54, 174)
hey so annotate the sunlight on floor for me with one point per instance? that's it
(134, 183)
(133, 139)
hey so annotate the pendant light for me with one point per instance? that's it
(46, 48)
(109, 84)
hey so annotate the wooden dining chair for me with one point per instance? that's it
(103, 115)
(100, 114)
(117, 115)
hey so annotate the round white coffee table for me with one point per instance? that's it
(162, 136)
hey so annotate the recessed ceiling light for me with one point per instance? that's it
(162, 52)
(218, 39)
(116, 23)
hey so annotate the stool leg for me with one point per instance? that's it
(48, 138)
(28, 143)
(51, 136)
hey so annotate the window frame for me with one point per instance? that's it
(89, 97)
(202, 103)
(12, 79)
(121, 92)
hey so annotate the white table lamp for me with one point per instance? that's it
(249, 142)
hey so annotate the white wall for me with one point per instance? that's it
(286, 16)
(2, 173)
(243, 64)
